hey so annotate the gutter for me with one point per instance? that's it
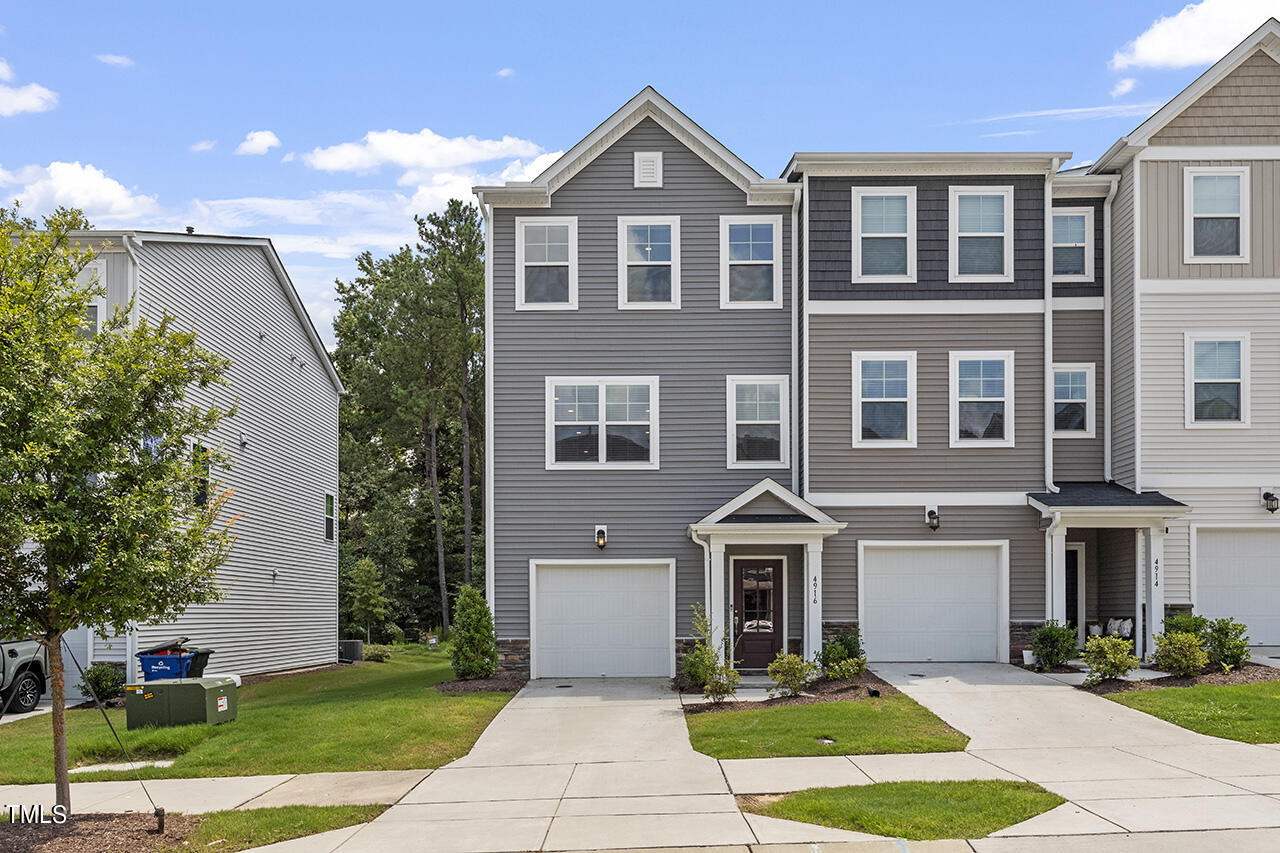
(1048, 326)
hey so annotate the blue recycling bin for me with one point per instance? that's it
(157, 667)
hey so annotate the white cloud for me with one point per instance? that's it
(415, 152)
(1199, 34)
(504, 72)
(1009, 133)
(6, 71)
(1074, 113)
(1123, 87)
(83, 186)
(116, 59)
(258, 142)
(289, 158)
(31, 98)
(203, 145)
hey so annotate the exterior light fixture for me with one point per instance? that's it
(602, 536)
(1270, 502)
(931, 517)
(244, 440)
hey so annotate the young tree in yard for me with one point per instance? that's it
(106, 514)
(368, 595)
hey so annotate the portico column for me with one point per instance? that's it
(716, 605)
(1058, 595)
(812, 600)
(1154, 541)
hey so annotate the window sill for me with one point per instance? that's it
(1074, 279)
(981, 442)
(548, 306)
(1218, 425)
(884, 279)
(750, 306)
(1074, 434)
(874, 444)
(602, 466)
(747, 466)
(648, 306)
(1215, 259)
(980, 279)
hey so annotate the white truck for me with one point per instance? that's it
(24, 669)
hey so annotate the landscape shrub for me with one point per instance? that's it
(1053, 645)
(849, 669)
(1108, 657)
(791, 674)
(377, 653)
(700, 661)
(843, 646)
(106, 681)
(473, 649)
(1227, 643)
(722, 682)
(1186, 623)
(1179, 653)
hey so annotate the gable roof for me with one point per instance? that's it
(1265, 38)
(647, 104)
(769, 486)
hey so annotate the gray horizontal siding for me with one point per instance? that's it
(831, 240)
(933, 465)
(1077, 338)
(1082, 288)
(550, 514)
(1124, 446)
(1117, 581)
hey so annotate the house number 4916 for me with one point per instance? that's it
(815, 589)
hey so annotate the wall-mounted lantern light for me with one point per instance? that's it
(602, 536)
(932, 518)
(244, 440)
(1270, 502)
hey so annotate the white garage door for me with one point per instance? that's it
(1238, 575)
(603, 620)
(930, 603)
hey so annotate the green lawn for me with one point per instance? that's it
(917, 811)
(889, 724)
(1244, 712)
(374, 716)
(241, 830)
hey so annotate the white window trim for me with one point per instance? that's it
(637, 183)
(1189, 378)
(572, 304)
(953, 233)
(858, 193)
(1188, 215)
(1090, 371)
(674, 222)
(95, 272)
(731, 419)
(910, 358)
(776, 222)
(1087, 213)
(550, 419)
(953, 394)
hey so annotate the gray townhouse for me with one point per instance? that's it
(279, 609)
(943, 397)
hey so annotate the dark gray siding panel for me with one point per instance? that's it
(1124, 442)
(550, 514)
(1017, 524)
(933, 465)
(1081, 288)
(1077, 338)
(1117, 581)
(831, 240)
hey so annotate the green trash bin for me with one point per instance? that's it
(180, 702)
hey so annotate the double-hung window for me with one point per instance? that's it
(982, 399)
(980, 238)
(758, 424)
(1073, 244)
(602, 422)
(884, 234)
(1073, 400)
(330, 516)
(648, 262)
(884, 399)
(750, 261)
(1216, 215)
(1217, 380)
(546, 263)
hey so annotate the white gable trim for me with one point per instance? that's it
(771, 487)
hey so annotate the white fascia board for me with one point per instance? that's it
(877, 499)
(923, 162)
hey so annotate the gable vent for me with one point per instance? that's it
(648, 169)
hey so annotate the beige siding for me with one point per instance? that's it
(1243, 109)
(1077, 339)
(1162, 221)
(933, 465)
(1124, 446)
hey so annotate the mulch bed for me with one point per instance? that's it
(819, 691)
(97, 833)
(503, 682)
(1058, 669)
(1250, 673)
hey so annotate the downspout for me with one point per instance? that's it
(706, 567)
(127, 241)
(131, 634)
(1048, 326)
(795, 349)
(1048, 564)
(1106, 329)
(489, 581)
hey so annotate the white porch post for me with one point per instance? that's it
(1058, 595)
(1154, 542)
(812, 600)
(716, 606)
(1139, 594)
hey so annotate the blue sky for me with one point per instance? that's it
(348, 123)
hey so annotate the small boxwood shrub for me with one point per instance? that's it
(377, 653)
(1186, 623)
(849, 669)
(102, 680)
(473, 644)
(846, 645)
(1053, 645)
(791, 674)
(1108, 657)
(1227, 643)
(1179, 653)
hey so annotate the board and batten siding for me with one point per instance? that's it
(933, 465)
(1162, 221)
(1124, 446)
(1242, 109)
(1085, 288)
(1077, 339)
(831, 239)
(546, 515)
(288, 415)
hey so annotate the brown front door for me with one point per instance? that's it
(757, 611)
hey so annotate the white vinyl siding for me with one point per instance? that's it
(546, 263)
(595, 423)
(1073, 244)
(884, 234)
(980, 234)
(1217, 380)
(884, 399)
(758, 421)
(750, 261)
(649, 262)
(1074, 390)
(982, 399)
(1216, 215)
(95, 273)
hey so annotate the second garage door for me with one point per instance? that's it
(1238, 575)
(931, 603)
(605, 619)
